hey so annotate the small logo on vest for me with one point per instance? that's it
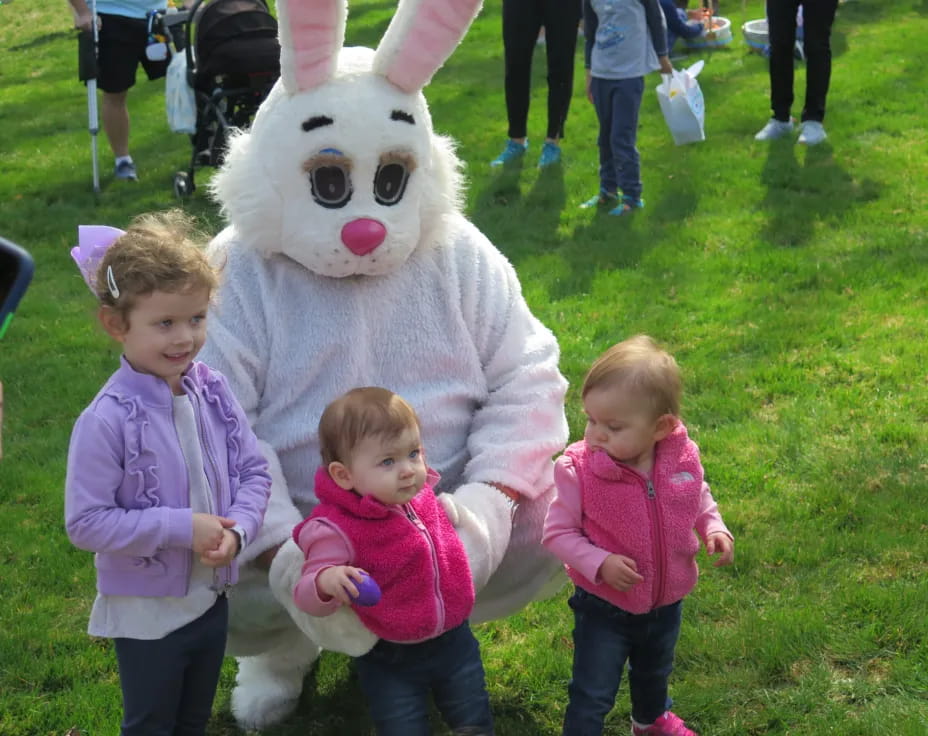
(681, 477)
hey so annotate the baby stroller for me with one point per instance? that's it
(233, 60)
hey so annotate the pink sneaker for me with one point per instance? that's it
(668, 724)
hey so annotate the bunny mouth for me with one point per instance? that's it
(363, 236)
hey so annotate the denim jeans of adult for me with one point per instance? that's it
(617, 102)
(397, 678)
(817, 19)
(605, 637)
(168, 684)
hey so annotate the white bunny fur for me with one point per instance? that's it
(480, 369)
(259, 187)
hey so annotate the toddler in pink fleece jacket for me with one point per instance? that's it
(629, 496)
(378, 515)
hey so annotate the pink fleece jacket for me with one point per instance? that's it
(605, 507)
(411, 551)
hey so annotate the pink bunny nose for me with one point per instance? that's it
(363, 235)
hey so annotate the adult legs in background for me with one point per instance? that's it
(521, 21)
(115, 114)
(781, 26)
(560, 20)
(818, 17)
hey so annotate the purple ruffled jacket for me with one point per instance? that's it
(127, 496)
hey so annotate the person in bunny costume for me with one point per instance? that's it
(347, 262)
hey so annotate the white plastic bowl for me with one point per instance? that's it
(755, 34)
(720, 36)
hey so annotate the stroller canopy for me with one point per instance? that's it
(234, 37)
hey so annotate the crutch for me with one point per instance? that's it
(87, 72)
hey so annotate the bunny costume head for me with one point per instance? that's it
(347, 262)
(373, 180)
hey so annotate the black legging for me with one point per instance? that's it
(522, 20)
(817, 17)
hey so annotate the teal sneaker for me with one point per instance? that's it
(626, 206)
(512, 152)
(550, 154)
(603, 198)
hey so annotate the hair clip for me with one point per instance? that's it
(111, 282)
(92, 243)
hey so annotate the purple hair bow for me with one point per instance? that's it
(92, 243)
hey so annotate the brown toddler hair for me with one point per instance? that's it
(639, 365)
(159, 252)
(362, 412)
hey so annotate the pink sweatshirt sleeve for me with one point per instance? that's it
(324, 546)
(709, 520)
(563, 533)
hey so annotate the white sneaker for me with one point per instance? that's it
(812, 132)
(774, 129)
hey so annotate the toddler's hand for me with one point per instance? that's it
(224, 553)
(721, 544)
(207, 531)
(338, 582)
(620, 572)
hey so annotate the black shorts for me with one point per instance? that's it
(120, 49)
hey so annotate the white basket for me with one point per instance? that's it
(755, 34)
(720, 36)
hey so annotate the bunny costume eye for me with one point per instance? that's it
(391, 178)
(330, 178)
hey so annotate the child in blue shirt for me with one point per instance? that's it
(625, 39)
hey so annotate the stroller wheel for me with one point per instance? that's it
(183, 185)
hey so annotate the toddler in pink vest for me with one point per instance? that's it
(630, 495)
(378, 516)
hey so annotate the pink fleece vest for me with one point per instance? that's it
(654, 528)
(413, 553)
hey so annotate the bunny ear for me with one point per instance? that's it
(421, 37)
(312, 33)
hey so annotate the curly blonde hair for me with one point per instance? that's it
(161, 251)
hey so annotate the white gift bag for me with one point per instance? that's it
(683, 106)
(180, 102)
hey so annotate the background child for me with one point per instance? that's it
(625, 39)
(164, 482)
(378, 514)
(630, 494)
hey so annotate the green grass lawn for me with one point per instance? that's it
(789, 283)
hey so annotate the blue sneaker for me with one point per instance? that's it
(550, 154)
(627, 206)
(510, 153)
(603, 198)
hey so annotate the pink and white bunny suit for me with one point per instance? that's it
(347, 262)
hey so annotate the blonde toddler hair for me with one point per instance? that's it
(362, 412)
(640, 365)
(159, 252)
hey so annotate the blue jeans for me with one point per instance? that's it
(168, 684)
(604, 638)
(396, 680)
(617, 103)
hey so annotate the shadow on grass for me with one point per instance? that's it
(799, 197)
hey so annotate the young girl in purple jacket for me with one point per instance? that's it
(629, 496)
(165, 482)
(378, 516)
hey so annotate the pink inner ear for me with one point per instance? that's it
(313, 35)
(432, 36)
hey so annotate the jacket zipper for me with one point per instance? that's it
(658, 537)
(219, 585)
(439, 601)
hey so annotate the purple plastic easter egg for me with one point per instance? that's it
(368, 591)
